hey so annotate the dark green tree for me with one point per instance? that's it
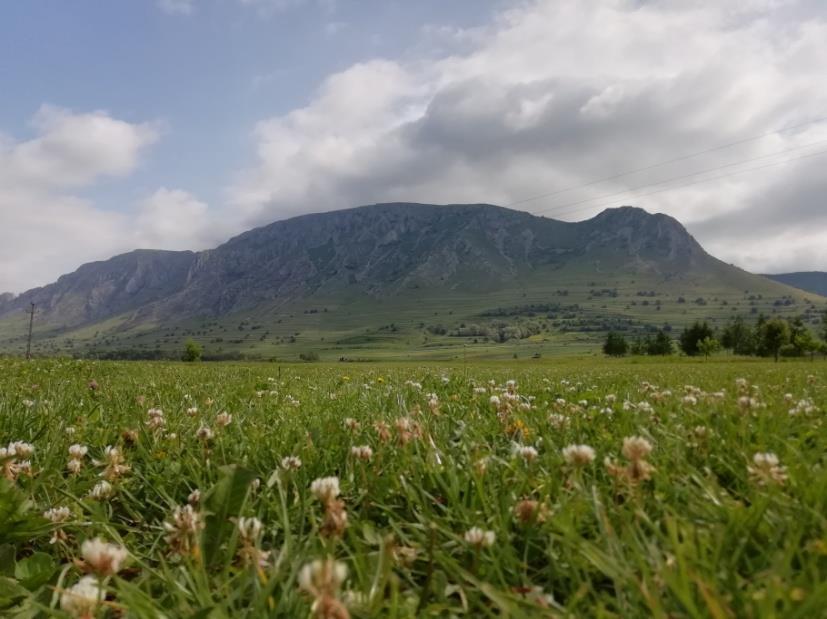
(693, 336)
(661, 344)
(616, 345)
(772, 336)
(739, 337)
(192, 351)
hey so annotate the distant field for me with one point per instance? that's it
(567, 311)
(699, 489)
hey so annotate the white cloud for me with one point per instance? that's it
(172, 219)
(556, 93)
(47, 231)
(177, 7)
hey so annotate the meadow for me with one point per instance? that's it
(546, 488)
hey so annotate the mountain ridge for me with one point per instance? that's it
(396, 258)
(809, 281)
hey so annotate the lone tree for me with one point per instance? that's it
(773, 335)
(616, 345)
(709, 346)
(693, 336)
(192, 351)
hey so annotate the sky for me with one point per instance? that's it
(176, 124)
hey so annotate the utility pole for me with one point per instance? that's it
(29, 344)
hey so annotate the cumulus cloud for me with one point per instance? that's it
(48, 230)
(556, 93)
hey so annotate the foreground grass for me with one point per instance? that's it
(696, 528)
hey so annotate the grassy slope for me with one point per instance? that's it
(358, 326)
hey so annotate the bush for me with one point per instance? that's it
(192, 351)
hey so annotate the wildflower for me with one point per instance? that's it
(528, 511)
(558, 421)
(291, 463)
(322, 580)
(223, 419)
(249, 529)
(114, 461)
(578, 455)
(494, 401)
(192, 411)
(361, 452)
(766, 469)
(690, 400)
(636, 447)
(102, 490)
(156, 419)
(480, 538)
(56, 515)
(82, 599)
(383, 432)
(74, 466)
(21, 450)
(194, 497)
(77, 452)
(325, 488)
(182, 529)
(102, 558)
(526, 452)
(351, 424)
(204, 433)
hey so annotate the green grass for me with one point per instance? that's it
(700, 538)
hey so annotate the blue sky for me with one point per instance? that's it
(206, 76)
(175, 124)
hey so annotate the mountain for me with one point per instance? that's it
(810, 281)
(398, 277)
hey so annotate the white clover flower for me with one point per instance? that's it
(56, 515)
(291, 463)
(192, 411)
(480, 538)
(74, 466)
(103, 558)
(204, 433)
(249, 529)
(102, 490)
(636, 448)
(223, 419)
(578, 455)
(82, 599)
(77, 452)
(325, 489)
(322, 576)
(494, 401)
(21, 450)
(526, 452)
(361, 452)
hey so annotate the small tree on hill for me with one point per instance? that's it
(773, 335)
(192, 351)
(616, 345)
(693, 336)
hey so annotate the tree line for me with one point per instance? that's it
(773, 337)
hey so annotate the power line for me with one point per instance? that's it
(681, 177)
(667, 162)
(703, 180)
